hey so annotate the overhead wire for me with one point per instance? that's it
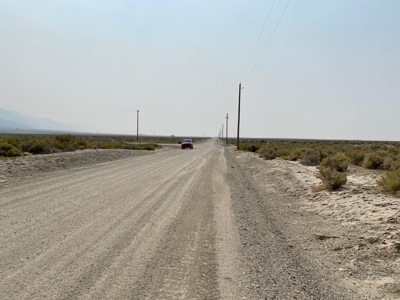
(85, 112)
(141, 118)
(204, 118)
(269, 39)
(128, 111)
(254, 49)
(181, 117)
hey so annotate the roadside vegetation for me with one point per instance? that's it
(17, 145)
(332, 158)
(13, 145)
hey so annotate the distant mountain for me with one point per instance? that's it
(14, 121)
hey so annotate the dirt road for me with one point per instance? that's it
(146, 227)
(182, 224)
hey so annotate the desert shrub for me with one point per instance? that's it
(375, 146)
(267, 152)
(64, 138)
(338, 162)
(12, 141)
(34, 147)
(141, 146)
(251, 148)
(391, 162)
(390, 182)
(282, 152)
(357, 156)
(69, 148)
(110, 145)
(81, 144)
(39, 147)
(312, 157)
(61, 141)
(147, 147)
(9, 150)
(332, 171)
(59, 145)
(327, 151)
(373, 160)
(292, 156)
(331, 178)
(296, 154)
(393, 150)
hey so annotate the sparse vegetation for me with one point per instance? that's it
(332, 157)
(16, 145)
(12, 145)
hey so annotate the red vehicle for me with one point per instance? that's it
(187, 144)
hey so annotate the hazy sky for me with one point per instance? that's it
(331, 69)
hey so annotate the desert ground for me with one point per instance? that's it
(207, 223)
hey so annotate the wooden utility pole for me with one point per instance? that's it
(222, 132)
(227, 128)
(237, 141)
(137, 127)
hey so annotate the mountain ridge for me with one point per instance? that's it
(14, 121)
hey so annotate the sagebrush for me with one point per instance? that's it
(390, 182)
(332, 171)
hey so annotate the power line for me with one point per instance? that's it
(84, 112)
(251, 56)
(234, 101)
(181, 117)
(267, 42)
(124, 111)
(141, 117)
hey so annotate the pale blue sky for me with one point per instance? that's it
(331, 70)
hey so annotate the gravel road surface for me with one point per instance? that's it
(182, 224)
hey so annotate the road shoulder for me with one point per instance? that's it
(280, 257)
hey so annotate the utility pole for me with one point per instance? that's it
(227, 128)
(137, 127)
(222, 132)
(238, 128)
